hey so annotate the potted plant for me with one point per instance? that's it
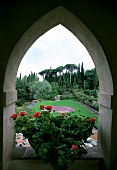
(55, 139)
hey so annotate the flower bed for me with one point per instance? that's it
(62, 109)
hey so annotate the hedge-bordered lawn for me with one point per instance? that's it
(70, 103)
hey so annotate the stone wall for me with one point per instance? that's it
(94, 23)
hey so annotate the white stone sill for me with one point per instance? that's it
(27, 153)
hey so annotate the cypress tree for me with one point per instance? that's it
(82, 75)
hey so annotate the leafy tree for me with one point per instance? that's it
(42, 73)
(71, 68)
(23, 88)
(91, 79)
(41, 89)
(55, 89)
(60, 70)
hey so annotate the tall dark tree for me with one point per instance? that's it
(20, 76)
(60, 70)
(96, 81)
(82, 75)
(43, 73)
(70, 68)
(91, 79)
(79, 76)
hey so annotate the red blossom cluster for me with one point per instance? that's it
(22, 113)
(91, 120)
(14, 116)
(42, 107)
(45, 107)
(74, 147)
(36, 114)
(48, 107)
(63, 114)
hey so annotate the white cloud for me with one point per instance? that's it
(56, 47)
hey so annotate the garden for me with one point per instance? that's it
(71, 106)
(70, 82)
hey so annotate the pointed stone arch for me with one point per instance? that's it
(64, 17)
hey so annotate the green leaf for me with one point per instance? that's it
(61, 152)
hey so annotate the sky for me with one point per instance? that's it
(55, 48)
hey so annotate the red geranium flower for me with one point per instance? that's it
(36, 114)
(63, 114)
(49, 107)
(74, 147)
(14, 116)
(45, 107)
(91, 120)
(22, 113)
(41, 107)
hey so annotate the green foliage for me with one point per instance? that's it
(56, 139)
(23, 88)
(20, 102)
(91, 79)
(74, 75)
(74, 78)
(41, 89)
(55, 88)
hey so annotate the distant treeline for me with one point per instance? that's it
(55, 81)
(70, 75)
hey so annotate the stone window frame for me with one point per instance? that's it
(57, 16)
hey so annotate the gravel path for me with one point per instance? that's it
(62, 109)
(31, 104)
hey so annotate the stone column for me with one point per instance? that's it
(10, 96)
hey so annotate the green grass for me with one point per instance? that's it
(79, 110)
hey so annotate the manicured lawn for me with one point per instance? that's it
(80, 110)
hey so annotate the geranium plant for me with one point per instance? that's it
(55, 139)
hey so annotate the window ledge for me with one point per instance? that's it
(28, 153)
